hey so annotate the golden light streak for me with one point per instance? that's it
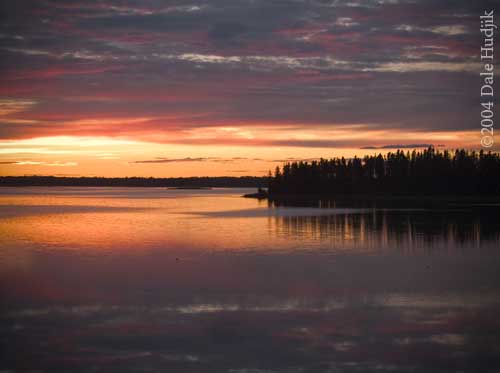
(230, 151)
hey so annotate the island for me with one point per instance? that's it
(426, 173)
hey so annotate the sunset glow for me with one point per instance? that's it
(215, 88)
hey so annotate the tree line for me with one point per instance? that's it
(180, 182)
(397, 173)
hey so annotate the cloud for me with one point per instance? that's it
(60, 164)
(157, 71)
(10, 106)
(170, 160)
(41, 163)
(29, 163)
(448, 30)
(423, 66)
(398, 146)
(187, 159)
(227, 30)
(293, 159)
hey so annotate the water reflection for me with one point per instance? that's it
(143, 219)
(207, 281)
(403, 230)
(355, 337)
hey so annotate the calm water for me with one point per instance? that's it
(156, 280)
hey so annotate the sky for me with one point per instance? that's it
(231, 87)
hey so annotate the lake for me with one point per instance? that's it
(157, 280)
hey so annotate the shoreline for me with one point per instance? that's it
(373, 197)
(195, 182)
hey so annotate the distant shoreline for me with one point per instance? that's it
(203, 182)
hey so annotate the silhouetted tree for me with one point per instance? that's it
(420, 172)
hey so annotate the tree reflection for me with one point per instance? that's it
(388, 229)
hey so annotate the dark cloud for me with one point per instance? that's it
(187, 159)
(383, 64)
(172, 160)
(398, 146)
(292, 159)
(227, 30)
